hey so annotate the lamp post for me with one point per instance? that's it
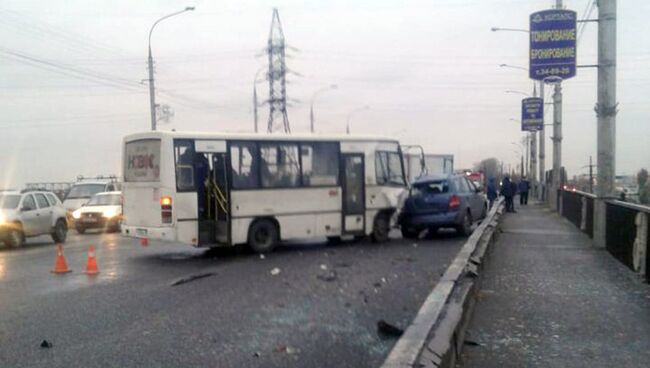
(313, 97)
(347, 126)
(152, 90)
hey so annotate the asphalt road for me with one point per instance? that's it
(321, 310)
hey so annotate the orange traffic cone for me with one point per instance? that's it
(91, 265)
(59, 265)
(144, 242)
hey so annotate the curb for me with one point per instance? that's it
(435, 337)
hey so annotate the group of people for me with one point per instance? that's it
(509, 188)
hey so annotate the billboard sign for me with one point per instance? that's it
(532, 114)
(552, 44)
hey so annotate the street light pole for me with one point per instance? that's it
(347, 126)
(152, 89)
(313, 97)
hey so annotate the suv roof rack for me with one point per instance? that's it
(112, 178)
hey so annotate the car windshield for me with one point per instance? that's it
(104, 200)
(9, 201)
(84, 190)
(431, 187)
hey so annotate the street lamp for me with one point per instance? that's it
(495, 29)
(152, 90)
(313, 97)
(518, 92)
(513, 67)
(347, 126)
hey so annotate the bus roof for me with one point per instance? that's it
(260, 136)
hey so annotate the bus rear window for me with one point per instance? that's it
(142, 160)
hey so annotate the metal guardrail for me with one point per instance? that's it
(627, 225)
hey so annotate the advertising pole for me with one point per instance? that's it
(542, 152)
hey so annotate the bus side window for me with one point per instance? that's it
(320, 164)
(244, 163)
(184, 154)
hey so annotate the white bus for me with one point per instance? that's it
(225, 189)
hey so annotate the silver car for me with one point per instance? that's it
(31, 213)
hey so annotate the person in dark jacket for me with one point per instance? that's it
(524, 187)
(513, 186)
(506, 192)
(491, 191)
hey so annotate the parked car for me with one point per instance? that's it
(442, 201)
(102, 211)
(33, 213)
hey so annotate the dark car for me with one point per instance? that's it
(442, 201)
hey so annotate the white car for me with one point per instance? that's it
(31, 213)
(82, 191)
(102, 211)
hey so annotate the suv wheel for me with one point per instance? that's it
(60, 231)
(15, 238)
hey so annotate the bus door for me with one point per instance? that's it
(220, 197)
(213, 199)
(354, 201)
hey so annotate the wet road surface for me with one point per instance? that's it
(170, 305)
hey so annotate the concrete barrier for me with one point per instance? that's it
(435, 337)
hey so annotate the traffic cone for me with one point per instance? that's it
(91, 265)
(144, 242)
(60, 266)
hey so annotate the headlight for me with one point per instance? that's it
(2, 219)
(76, 214)
(111, 212)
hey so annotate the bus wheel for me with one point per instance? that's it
(262, 236)
(380, 228)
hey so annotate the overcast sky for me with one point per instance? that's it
(70, 74)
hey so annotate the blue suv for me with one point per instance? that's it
(442, 201)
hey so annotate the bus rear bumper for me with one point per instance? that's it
(140, 232)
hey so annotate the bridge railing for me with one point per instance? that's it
(626, 231)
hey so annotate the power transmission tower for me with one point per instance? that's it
(278, 119)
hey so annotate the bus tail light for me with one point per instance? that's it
(454, 201)
(166, 209)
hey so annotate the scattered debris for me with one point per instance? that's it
(329, 276)
(323, 267)
(46, 344)
(388, 329)
(257, 354)
(262, 256)
(472, 343)
(342, 265)
(377, 284)
(275, 271)
(415, 245)
(187, 279)
(286, 349)
(383, 279)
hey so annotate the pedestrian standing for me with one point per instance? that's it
(491, 191)
(506, 192)
(524, 187)
(513, 189)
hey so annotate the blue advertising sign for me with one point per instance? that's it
(532, 114)
(552, 44)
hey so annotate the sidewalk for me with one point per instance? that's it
(550, 299)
